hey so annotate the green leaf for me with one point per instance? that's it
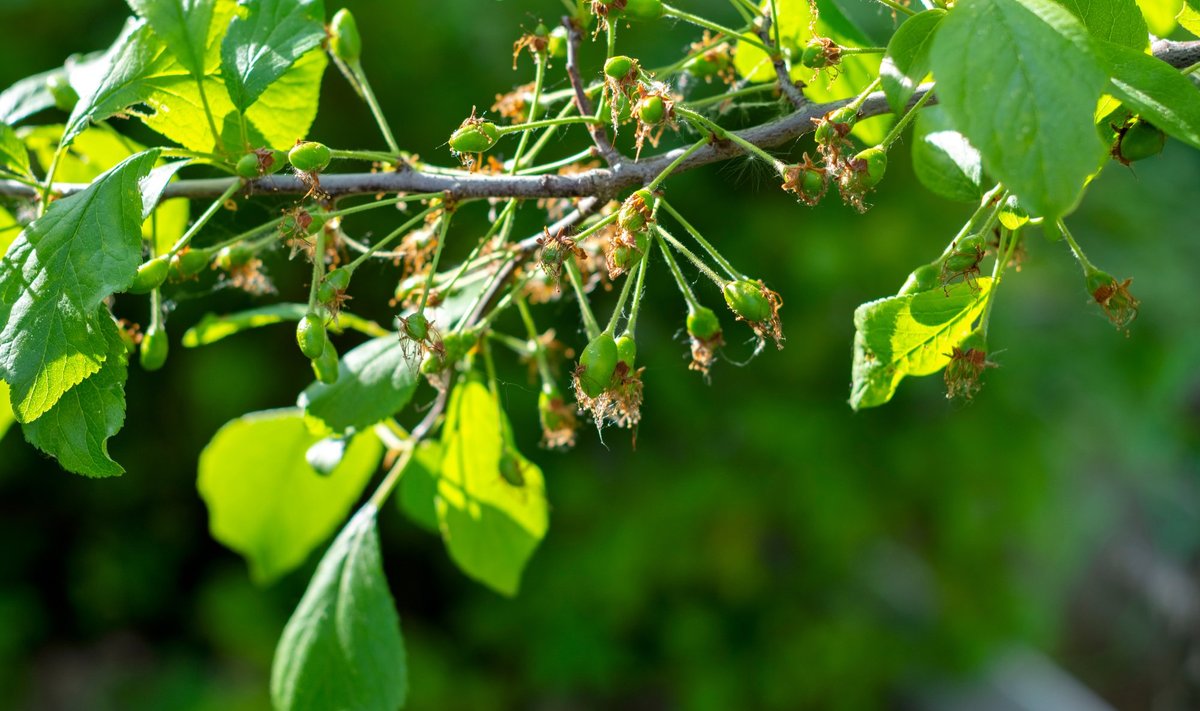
(76, 429)
(27, 97)
(1118, 21)
(265, 501)
(95, 151)
(907, 59)
(8, 230)
(490, 526)
(1020, 80)
(342, 647)
(6, 413)
(13, 156)
(86, 247)
(264, 41)
(375, 381)
(1160, 15)
(419, 484)
(183, 27)
(121, 79)
(944, 160)
(213, 328)
(1188, 18)
(1157, 91)
(910, 335)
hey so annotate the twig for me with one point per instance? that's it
(786, 85)
(599, 133)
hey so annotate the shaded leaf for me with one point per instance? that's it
(1157, 91)
(342, 647)
(375, 381)
(906, 61)
(944, 160)
(490, 527)
(1023, 95)
(912, 334)
(418, 485)
(265, 501)
(86, 247)
(1118, 21)
(13, 156)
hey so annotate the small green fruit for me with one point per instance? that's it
(635, 210)
(626, 351)
(836, 124)
(814, 55)
(618, 67)
(702, 323)
(474, 137)
(873, 164)
(416, 327)
(235, 255)
(597, 364)
(326, 367)
(309, 156)
(926, 277)
(247, 166)
(190, 262)
(745, 298)
(333, 283)
(643, 10)
(150, 275)
(707, 65)
(433, 363)
(152, 354)
(511, 468)
(651, 110)
(310, 335)
(344, 40)
(1141, 141)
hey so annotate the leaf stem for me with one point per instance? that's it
(673, 266)
(672, 11)
(589, 319)
(203, 219)
(658, 179)
(699, 263)
(712, 251)
(904, 120)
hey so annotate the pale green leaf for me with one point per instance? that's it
(213, 328)
(1189, 19)
(342, 647)
(182, 25)
(418, 485)
(1156, 90)
(116, 82)
(27, 97)
(264, 40)
(375, 380)
(1023, 94)
(912, 334)
(944, 160)
(1160, 15)
(76, 429)
(86, 247)
(907, 59)
(95, 151)
(13, 156)
(491, 527)
(1118, 21)
(265, 501)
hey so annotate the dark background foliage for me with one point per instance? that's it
(764, 547)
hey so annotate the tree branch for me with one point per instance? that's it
(599, 133)
(602, 183)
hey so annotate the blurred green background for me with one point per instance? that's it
(764, 547)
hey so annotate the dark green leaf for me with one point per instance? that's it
(1020, 80)
(86, 247)
(907, 59)
(182, 25)
(491, 527)
(1154, 89)
(418, 485)
(1117, 21)
(342, 648)
(76, 429)
(213, 328)
(265, 501)
(264, 40)
(375, 380)
(944, 160)
(910, 335)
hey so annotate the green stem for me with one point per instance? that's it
(701, 122)
(547, 123)
(589, 319)
(555, 165)
(677, 162)
(539, 353)
(399, 231)
(373, 104)
(907, 118)
(640, 290)
(712, 251)
(858, 101)
(671, 11)
(549, 133)
(318, 268)
(846, 51)
(204, 218)
(898, 7)
(1004, 252)
(1080, 257)
(393, 476)
(684, 287)
(370, 156)
(212, 124)
(704, 268)
(539, 76)
(616, 314)
(718, 98)
(437, 257)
